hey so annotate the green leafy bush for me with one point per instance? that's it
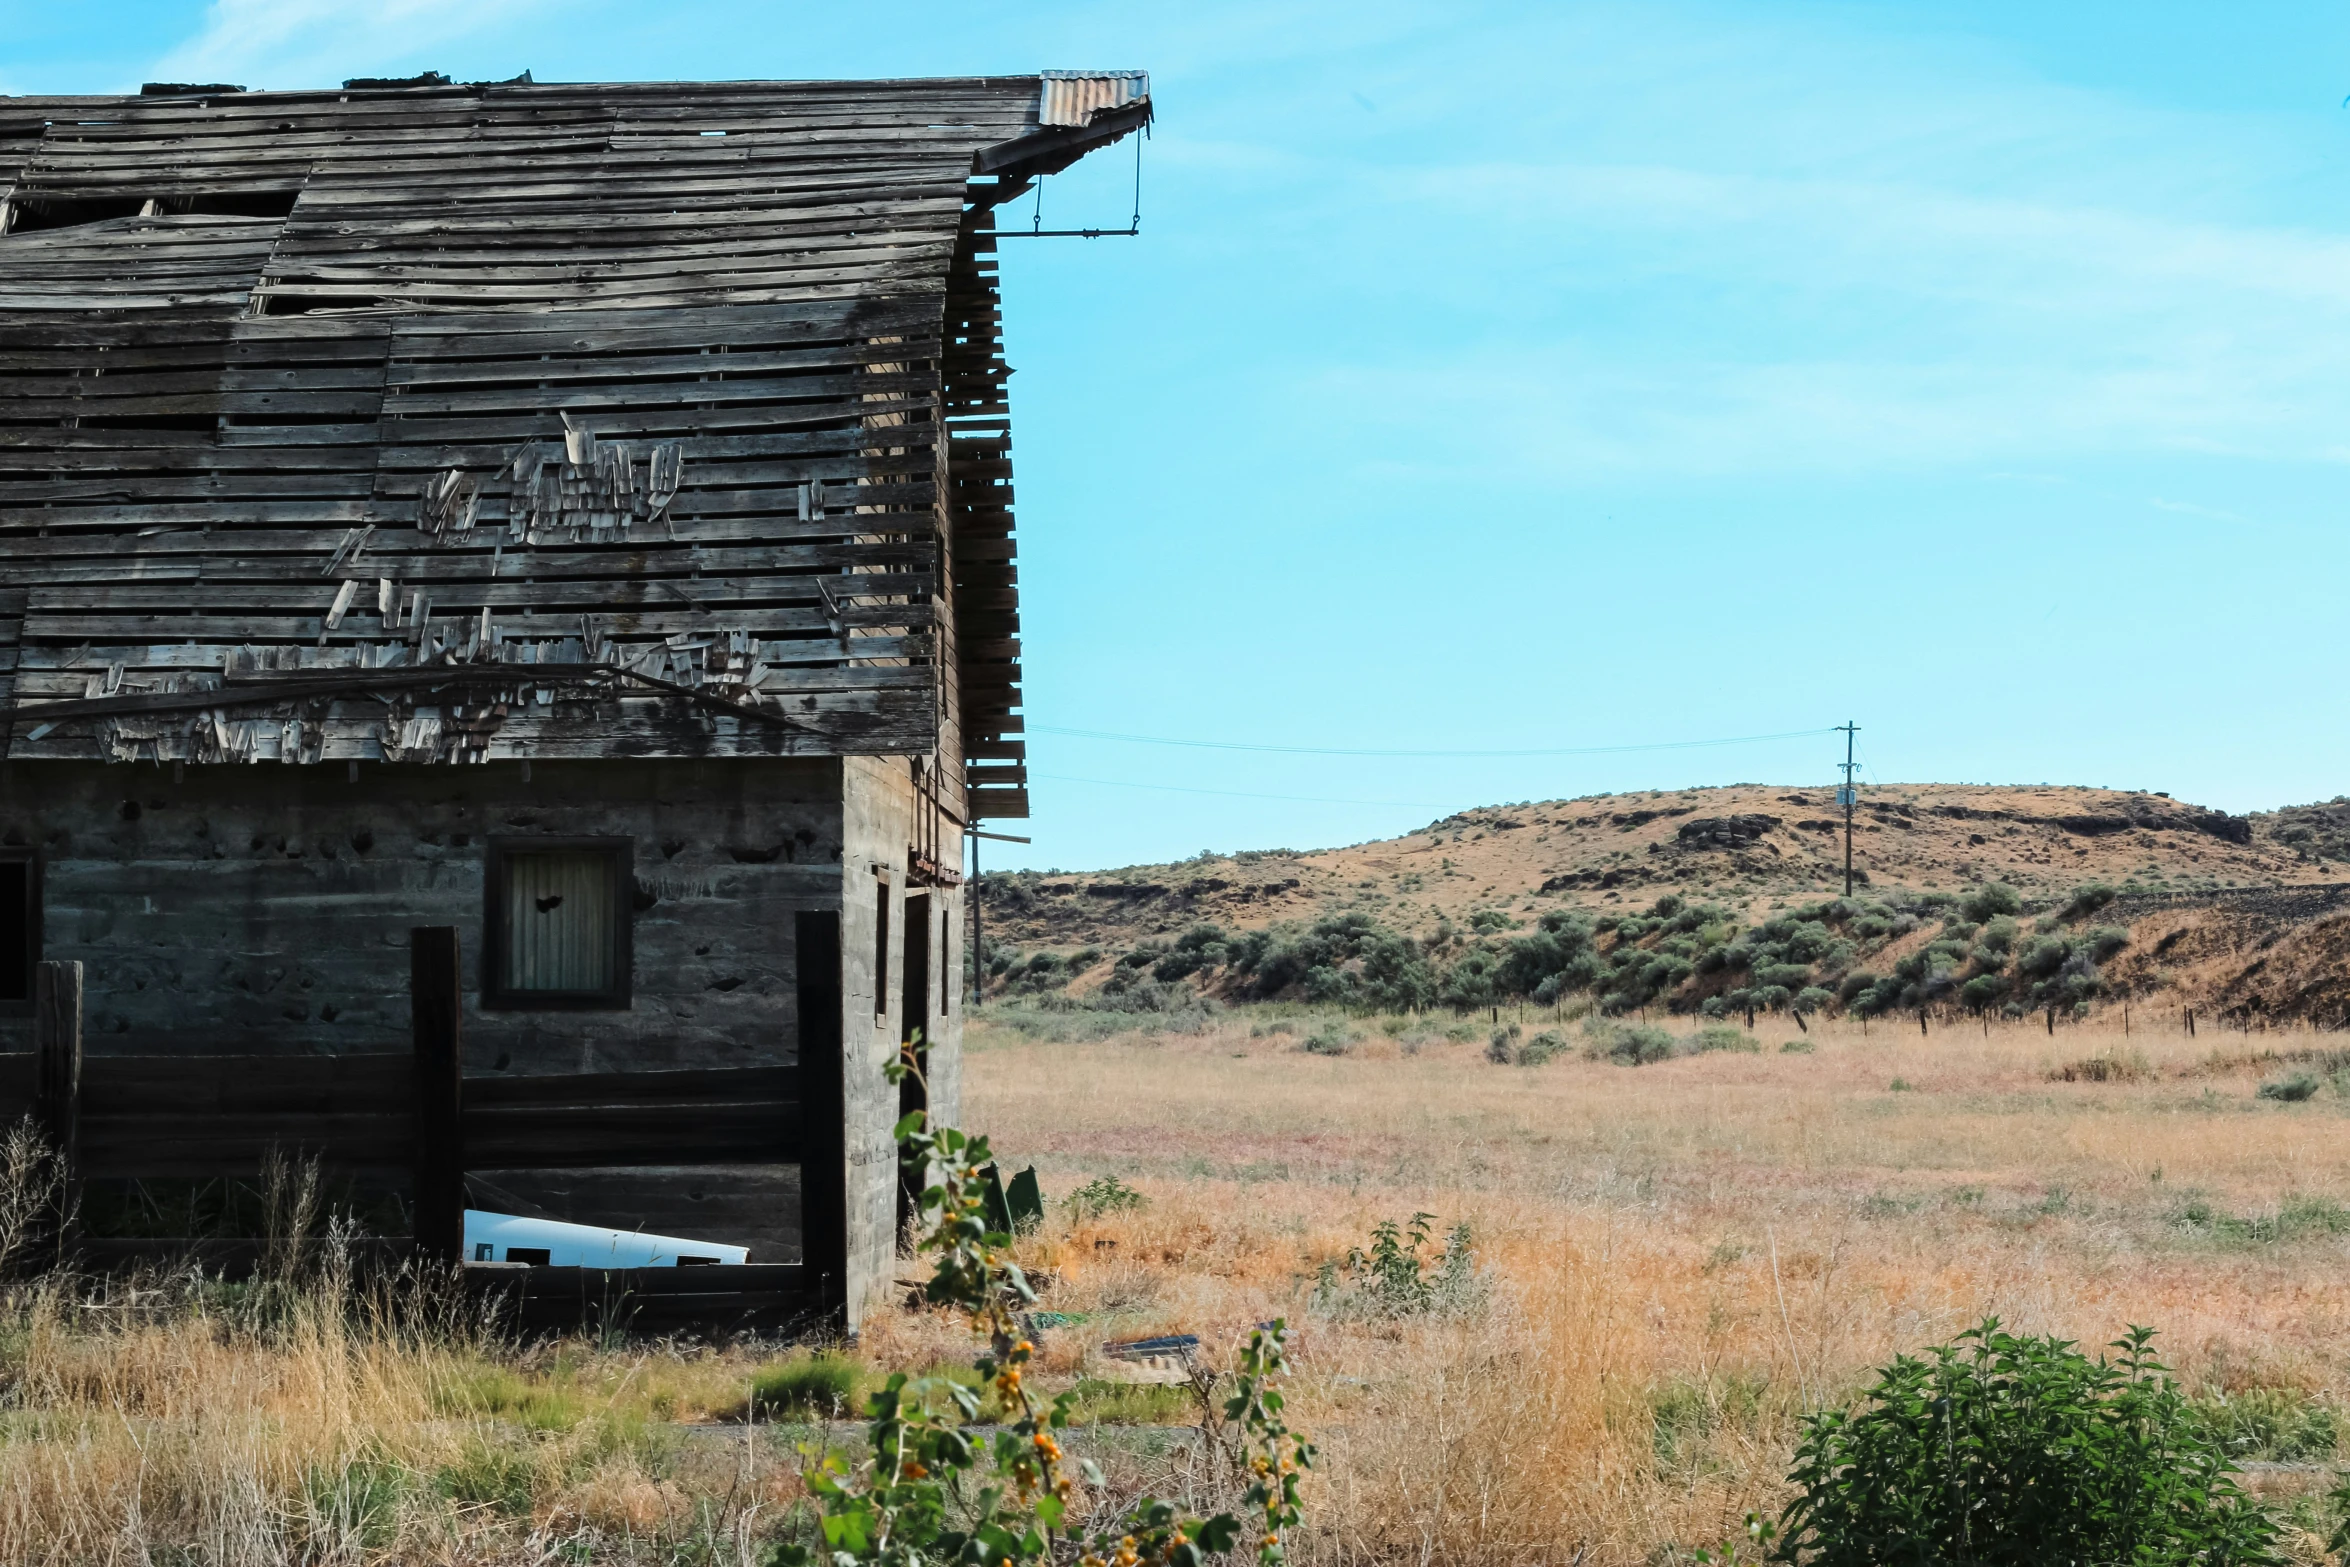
(2005, 1451)
(1722, 1037)
(1401, 1274)
(1103, 1195)
(2291, 1090)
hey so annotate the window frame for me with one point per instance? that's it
(30, 859)
(496, 994)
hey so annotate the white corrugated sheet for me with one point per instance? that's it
(1075, 97)
(495, 1237)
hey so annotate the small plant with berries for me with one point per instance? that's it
(933, 1494)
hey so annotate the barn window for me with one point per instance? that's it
(20, 927)
(558, 923)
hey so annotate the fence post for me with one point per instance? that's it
(57, 1077)
(436, 1001)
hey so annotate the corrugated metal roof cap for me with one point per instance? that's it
(1075, 97)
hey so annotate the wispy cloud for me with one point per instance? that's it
(317, 43)
(1747, 249)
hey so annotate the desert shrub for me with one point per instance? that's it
(2103, 942)
(1999, 935)
(2042, 957)
(1473, 981)
(1333, 1038)
(1543, 1048)
(1626, 1044)
(1988, 902)
(1041, 972)
(1999, 1450)
(1396, 975)
(1202, 946)
(1706, 1040)
(2086, 900)
(1103, 1195)
(1558, 954)
(2291, 1090)
(820, 1386)
(1401, 1274)
(1983, 992)
(1796, 1047)
(2130, 1068)
(1325, 985)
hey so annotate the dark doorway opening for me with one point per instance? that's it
(914, 1026)
(824, 1192)
(20, 929)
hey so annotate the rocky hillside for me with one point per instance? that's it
(2231, 913)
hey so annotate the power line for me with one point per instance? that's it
(1235, 794)
(1309, 750)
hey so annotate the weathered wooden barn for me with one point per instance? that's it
(574, 520)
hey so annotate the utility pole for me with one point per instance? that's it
(1848, 797)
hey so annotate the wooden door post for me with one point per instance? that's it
(57, 1075)
(437, 1004)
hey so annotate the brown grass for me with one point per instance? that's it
(1677, 1261)
(1683, 1257)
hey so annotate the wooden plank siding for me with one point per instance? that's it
(316, 406)
(625, 466)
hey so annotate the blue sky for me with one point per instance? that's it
(1551, 377)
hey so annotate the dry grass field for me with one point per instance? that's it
(1671, 1263)
(1680, 1258)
